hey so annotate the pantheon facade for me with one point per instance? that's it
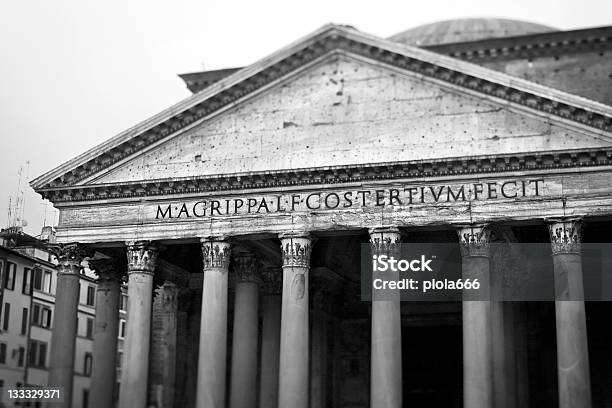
(238, 217)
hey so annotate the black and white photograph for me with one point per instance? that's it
(315, 204)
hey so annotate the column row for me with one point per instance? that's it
(285, 350)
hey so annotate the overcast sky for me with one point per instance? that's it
(74, 73)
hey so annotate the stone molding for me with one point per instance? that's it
(142, 257)
(413, 169)
(246, 268)
(272, 280)
(215, 254)
(385, 241)
(69, 257)
(474, 240)
(296, 250)
(529, 46)
(565, 235)
(334, 41)
(107, 270)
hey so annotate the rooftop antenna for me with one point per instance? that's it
(17, 203)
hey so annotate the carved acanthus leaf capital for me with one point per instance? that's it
(385, 241)
(107, 270)
(215, 254)
(474, 240)
(142, 257)
(272, 278)
(565, 235)
(246, 267)
(70, 257)
(296, 250)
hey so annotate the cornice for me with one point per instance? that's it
(529, 46)
(413, 169)
(325, 41)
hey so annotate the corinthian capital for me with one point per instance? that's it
(215, 254)
(385, 241)
(296, 249)
(69, 257)
(272, 280)
(246, 267)
(474, 240)
(142, 257)
(107, 270)
(565, 235)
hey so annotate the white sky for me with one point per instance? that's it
(74, 73)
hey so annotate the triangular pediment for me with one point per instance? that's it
(342, 98)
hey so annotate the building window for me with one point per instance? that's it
(21, 356)
(91, 294)
(7, 316)
(41, 315)
(24, 321)
(123, 304)
(87, 364)
(47, 282)
(2, 353)
(89, 326)
(9, 278)
(41, 280)
(37, 356)
(26, 287)
(122, 328)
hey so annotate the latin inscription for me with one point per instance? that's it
(399, 196)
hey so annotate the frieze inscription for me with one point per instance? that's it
(398, 196)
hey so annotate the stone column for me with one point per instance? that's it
(270, 337)
(187, 348)
(572, 348)
(386, 343)
(163, 345)
(293, 363)
(319, 378)
(141, 258)
(243, 383)
(213, 325)
(188, 397)
(106, 329)
(61, 364)
(477, 366)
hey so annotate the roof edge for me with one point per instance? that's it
(328, 38)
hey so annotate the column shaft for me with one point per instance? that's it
(386, 357)
(61, 364)
(163, 345)
(476, 316)
(210, 392)
(243, 393)
(135, 372)
(572, 346)
(270, 339)
(294, 352)
(104, 371)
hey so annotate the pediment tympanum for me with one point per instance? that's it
(340, 98)
(348, 112)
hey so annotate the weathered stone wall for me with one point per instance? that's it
(587, 74)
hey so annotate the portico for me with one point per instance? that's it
(263, 221)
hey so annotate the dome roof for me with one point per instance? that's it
(467, 29)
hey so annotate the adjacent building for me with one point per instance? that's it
(28, 272)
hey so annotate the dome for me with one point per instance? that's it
(467, 29)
